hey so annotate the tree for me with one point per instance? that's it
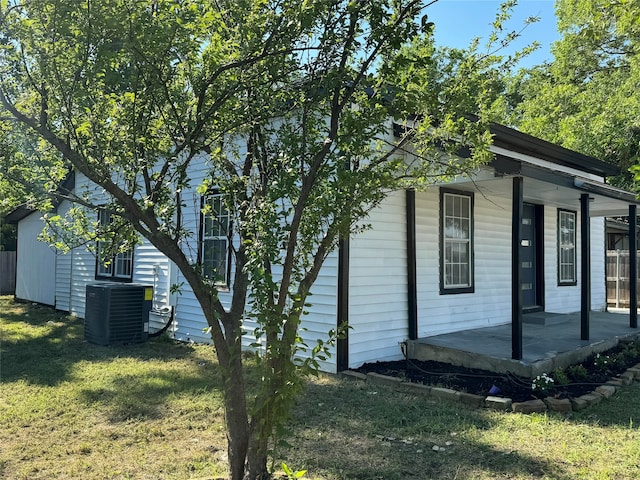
(587, 98)
(12, 193)
(7, 233)
(290, 106)
(18, 176)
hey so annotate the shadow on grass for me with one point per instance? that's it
(360, 433)
(45, 347)
(42, 346)
(39, 344)
(144, 396)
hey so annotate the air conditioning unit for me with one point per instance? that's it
(117, 313)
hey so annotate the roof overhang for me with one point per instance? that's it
(605, 190)
(521, 143)
(516, 141)
(547, 184)
(24, 210)
(18, 213)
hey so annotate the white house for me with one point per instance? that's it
(526, 233)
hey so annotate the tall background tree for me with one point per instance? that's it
(27, 172)
(8, 197)
(288, 105)
(587, 98)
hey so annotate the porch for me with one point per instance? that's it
(549, 341)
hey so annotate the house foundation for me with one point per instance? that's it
(550, 341)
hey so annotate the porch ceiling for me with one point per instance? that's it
(601, 204)
(555, 189)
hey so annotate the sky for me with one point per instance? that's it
(457, 22)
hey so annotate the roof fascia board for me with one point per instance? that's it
(511, 139)
(545, 163)
(548, 176)
(605, 190)
(18, 213)
(512, 142)
(22, 211)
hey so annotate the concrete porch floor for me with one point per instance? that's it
(549, 341)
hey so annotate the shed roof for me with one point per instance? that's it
(24, 210)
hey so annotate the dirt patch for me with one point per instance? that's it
(571, 382)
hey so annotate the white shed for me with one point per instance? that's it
(36, 274)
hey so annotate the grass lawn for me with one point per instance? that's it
(71, 410)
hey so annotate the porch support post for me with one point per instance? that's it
(412, 292)
(585, 263)
(516, 271)
(342, 344)
(633, 268)
(342, 313)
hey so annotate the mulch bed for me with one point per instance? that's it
(481, 382)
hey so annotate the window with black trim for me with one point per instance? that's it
(215, 240)
(567, 264)
(118, 267)
(456, 242)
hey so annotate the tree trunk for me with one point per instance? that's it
(228, 346)
(235, 402)
(268, 414)
(236, 416)
(257, 459)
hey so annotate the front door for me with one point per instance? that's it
(531, 256)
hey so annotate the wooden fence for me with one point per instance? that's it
(7, 272)
(618, 277)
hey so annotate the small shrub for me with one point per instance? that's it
(619, 358)
(629, 353)
(542, 383)
(602, 362)
(291, 475)
(560, 377)
(577, 372)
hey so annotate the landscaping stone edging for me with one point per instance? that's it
(565, 405)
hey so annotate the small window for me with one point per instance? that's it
(215, 234)
(456, 242)
(120, 267)
(567, 271)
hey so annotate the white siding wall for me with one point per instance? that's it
(322, 314)
(490, 303)
(378, 285)
(36, 261)
(566, 299)
(378, 291)
(150, 267)
(84, 262)
(82, 273)
(64, 265)
(77, 268)
(189, 322)
(598, 264)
